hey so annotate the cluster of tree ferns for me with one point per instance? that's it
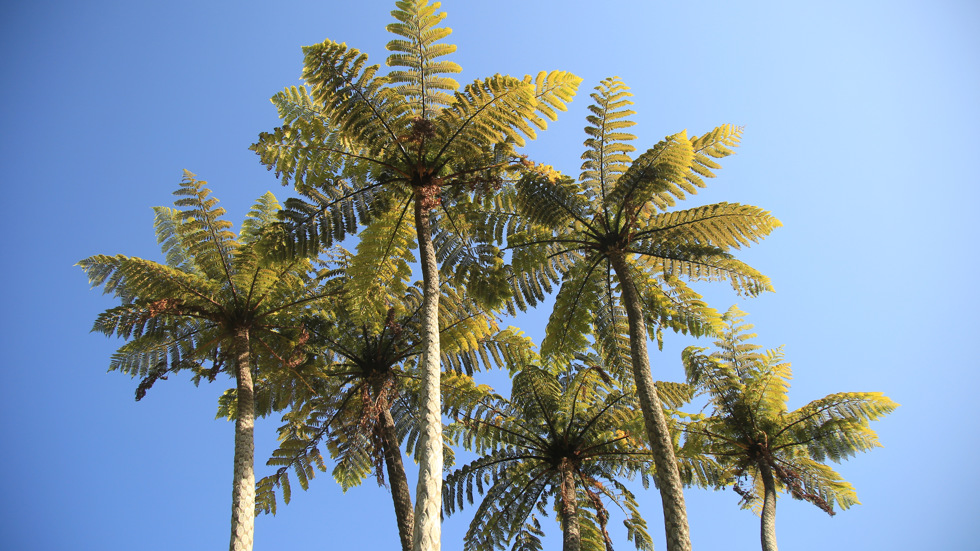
(366, 364)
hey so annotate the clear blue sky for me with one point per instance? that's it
(859, 126)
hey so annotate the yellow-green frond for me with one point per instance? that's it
(417, 51)
(488, 111)
(657, 175)
(553, 91)
(716, 144)
(607, 154)
(368, 116)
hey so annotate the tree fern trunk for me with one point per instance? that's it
(768, 507)
(400, 494)
(428, 495)
(243, 484)
(571, 537)
(668, 475)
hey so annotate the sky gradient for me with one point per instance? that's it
(858, 119)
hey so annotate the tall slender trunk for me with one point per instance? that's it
(571, 537)
(768, 507)
(243, 483)
(668, 475)
(428, 494)
(400, 494)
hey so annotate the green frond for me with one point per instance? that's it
(612, 342)
(553, 204)
(674, 395)
(487, 111)
(701, 263)
(768, 382)
(836, 427)
(380, 272)
(365, 115)
(570, 323)
(529, 537)
(669, 303)
(607, 154)
(166, 223)
(422, 80)
(722, 225)
(205, 236)
(658, 175)
(328, 214)
(263, 214)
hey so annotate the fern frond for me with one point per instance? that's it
(657, 175)
(263, 214)
(487, 111)
(716, 144)
(365, 115)
(380, 271)
(570, 322)
(722, 225)
(418, 50)
(836, 427)
(554, 204)
(206, 237)
(607, 153)
(553, 91)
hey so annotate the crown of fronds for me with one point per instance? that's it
(616, 211)
(182, 314)
(355, 142)
(550, 422)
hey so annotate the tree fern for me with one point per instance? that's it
(750, 431)
(218, 305)
(361, 404)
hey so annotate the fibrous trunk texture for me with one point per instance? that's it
(243, 484)
(768, 508)
(400, 494)
(428, 494)
(668, 475)
(571, 538)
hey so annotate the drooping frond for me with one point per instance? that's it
(570, 323)
(379, 274)
(836, 427)
(327, 215)
(669, 303)
(422, 80)
(701, 263)
(819, 484)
